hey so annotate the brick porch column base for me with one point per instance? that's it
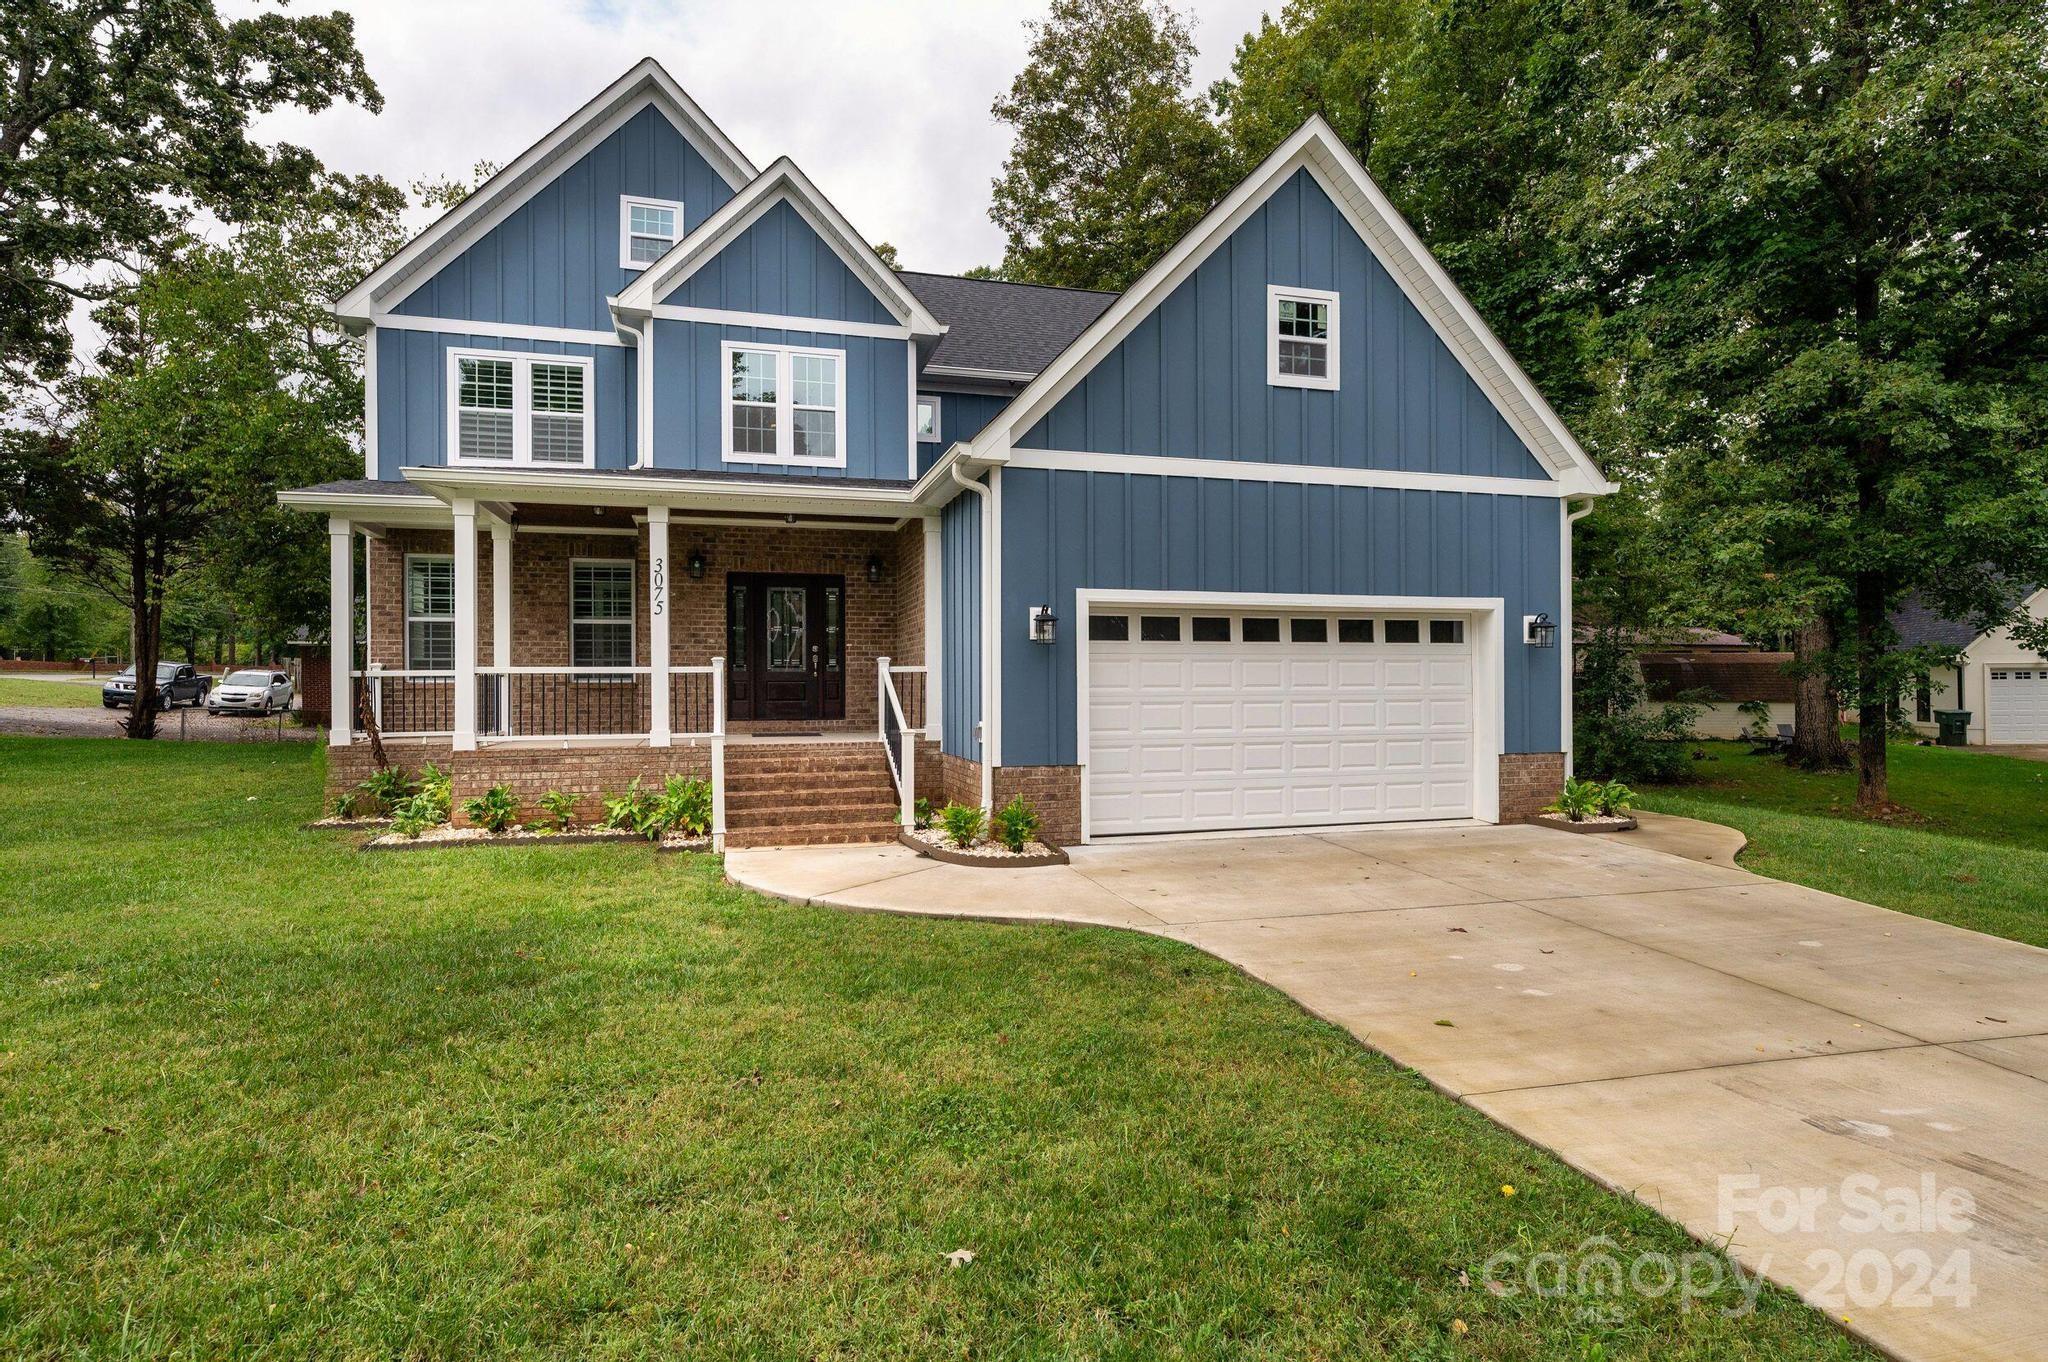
(1528, 781)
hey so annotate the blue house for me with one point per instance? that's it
(666, 471)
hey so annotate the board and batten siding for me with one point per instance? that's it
(1066, 530)
(555, 260)
(690, 388)
(1191, 380)
(961, 417)
(412, 395)
(780, 265)
(960, 640)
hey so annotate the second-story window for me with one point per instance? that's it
(784, 404)
(519, 409)
(647, 228)
(927, 418)
(1301, 337)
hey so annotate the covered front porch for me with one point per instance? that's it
(579, 617)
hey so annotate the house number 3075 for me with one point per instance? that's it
(660, 566)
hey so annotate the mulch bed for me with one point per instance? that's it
(1592, 823)
(990, 855)
(446, 836)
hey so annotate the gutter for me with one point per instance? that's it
(988, 633)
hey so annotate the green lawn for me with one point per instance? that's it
(62, 694)
(261, 1093)
(1975, 854)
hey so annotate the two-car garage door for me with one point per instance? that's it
(1200, 720)
(2019, 704)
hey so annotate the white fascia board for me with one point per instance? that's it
(1010, 376)
(457, 326)
(782, 182)
(937, 487)
(1251, 470)
(368, 508)
(801, 495)
(501, 195)
(1316, 147)
(773, 321)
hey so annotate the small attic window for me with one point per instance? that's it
(647, 228)
(1301, 337)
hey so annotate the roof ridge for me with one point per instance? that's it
(1014, 283)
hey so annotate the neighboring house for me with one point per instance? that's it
(2003, 686)
(1720, 673)
(667, 472)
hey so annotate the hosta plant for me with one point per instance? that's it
(1578, 799)
(493, 810)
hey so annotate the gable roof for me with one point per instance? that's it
(1920, 625)
(1316, 148)
(496, 198)
(781, 182)
(999, 330)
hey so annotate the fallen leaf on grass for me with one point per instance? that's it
(960, 1257)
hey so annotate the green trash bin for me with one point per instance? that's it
(1955, 727)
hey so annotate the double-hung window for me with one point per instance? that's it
(506, 408)
(647, 228)
(601, 612)
(1301, 337)
(784, 404)
(429, 613)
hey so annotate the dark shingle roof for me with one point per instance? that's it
(364, 487)
(1921, 625)
(1008, 328)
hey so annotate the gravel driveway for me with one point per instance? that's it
(193, 725)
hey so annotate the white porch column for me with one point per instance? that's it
(657, 624)
(465, 625)
(934, 626)
(501, 595)
(341, 630)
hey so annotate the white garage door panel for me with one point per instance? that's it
(1189, 736)
(2019, 704)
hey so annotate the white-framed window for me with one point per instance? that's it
(506, 408)
(601, 612)
(647, 228)
(429, 612)
(783, 404)
(1301, 337)
(928, 418)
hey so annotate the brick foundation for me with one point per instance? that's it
(589, 773)
(1528, 781)
(1054, 791)
(959, 780)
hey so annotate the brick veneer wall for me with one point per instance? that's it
(1528, 781)
(1054, 791)
(589, 773)
(959, 780)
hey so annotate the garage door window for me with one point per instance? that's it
(1404, 631)
(1447, 631)
(1262, 631)
(1159, 628)
(1308, 631)
(1354, 631)
(1212, 629)
(1109, 628)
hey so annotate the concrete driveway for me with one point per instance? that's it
(1855, 1101)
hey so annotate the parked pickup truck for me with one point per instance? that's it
(175, 681)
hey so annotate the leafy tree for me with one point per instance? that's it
(1114, 158)
(1825, 283)
(116, 116)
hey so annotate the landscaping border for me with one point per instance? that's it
(1052, 855)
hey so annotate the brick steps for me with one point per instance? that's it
(808, 794)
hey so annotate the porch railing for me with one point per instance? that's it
(911, 688)
(696, 711)
(563, 702)
(407, 704)
(899, 740)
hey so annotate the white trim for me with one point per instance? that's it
(782, 182)
(483, 331)
(618, 530)
(406, 617)
(523, 363)
(341, 626)
(918, 399)
(627, 203)
(934, 628)
(1567, 641)
(536, 167)
(1484, 640)
(1317, 148)
(370, 403)
(910, 382)
(464, 737)
(785, 405)
(1004, 376)
(992, 538)
(501, 595)
(775, 321)
(1246, 470)
(660, 597)
(1277, 294)
(632, 617)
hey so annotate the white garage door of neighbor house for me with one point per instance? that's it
(1206, 721)
(2018, 704)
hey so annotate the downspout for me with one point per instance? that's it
(1568, 651)
(643, 404)
(988, 632)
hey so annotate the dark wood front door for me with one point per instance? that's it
(786, 641)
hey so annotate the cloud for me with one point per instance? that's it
(885, 106)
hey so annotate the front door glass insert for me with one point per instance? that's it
(786, 628)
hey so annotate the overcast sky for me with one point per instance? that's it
(884, 105)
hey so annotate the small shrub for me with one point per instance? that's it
(344, 805)
(428, 805)
(632, 809)
(493, 810)
(559, 806)
(383, 790)
(685, 806)
(1614, 800)
(1015, 824)
(963, 824)
(921, 810)
(1579, 798)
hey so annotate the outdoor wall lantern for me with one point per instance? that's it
(1538, 631)
(874, 567)
(696, 565)
(1043, 624)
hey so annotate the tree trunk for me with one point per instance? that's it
(1816, 724)
(1874, 702)
(144, 635)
